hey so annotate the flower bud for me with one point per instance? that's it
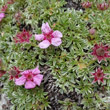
(17, 16)
(92, 31)
(2, 72)
(86, 4)
(103, 6)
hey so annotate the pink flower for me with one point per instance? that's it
(103, 6)
(48, 36)
(30, 78)
(100, 52)
(92, 31)
(86, 4)
(17, 16)
(14, 73)
(2, 72)
(4, 8)
(98, 75)
(22, 37)
(2, 15)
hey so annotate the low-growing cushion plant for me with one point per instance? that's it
(78, 59)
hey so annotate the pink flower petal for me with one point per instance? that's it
(44, 44)
(93, 82)
(46, 28)
(30, 85)
(20, 81)
(99, 61)
(57, 34)
(25, 72)
(56, 41)
(39, 37)
(36, 71)
(37, 79)
(2, 15)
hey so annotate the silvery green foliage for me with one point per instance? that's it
(70, 64)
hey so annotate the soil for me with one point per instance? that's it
(76, 4)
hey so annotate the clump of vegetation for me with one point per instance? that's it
(76, 65)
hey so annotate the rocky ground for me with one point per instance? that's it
(54, 95)
(76, 4)
(5, 103)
